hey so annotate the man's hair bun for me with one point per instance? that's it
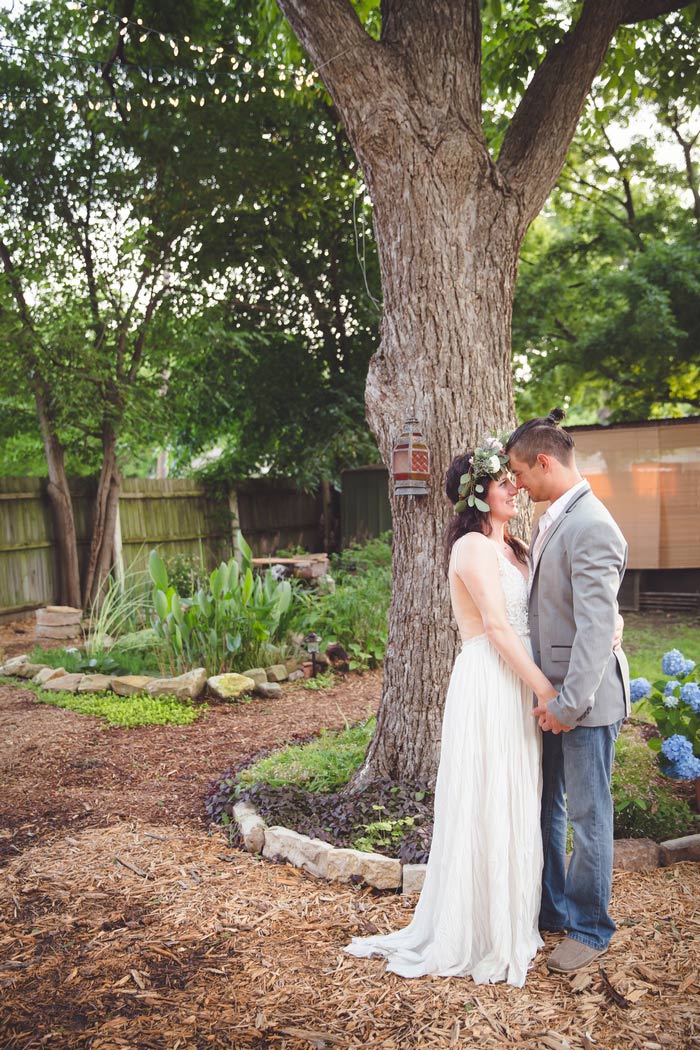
(556, 416)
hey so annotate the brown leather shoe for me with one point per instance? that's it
(571, 955)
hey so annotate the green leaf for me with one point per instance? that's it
(157, 570)
(460, 506)
(655, 743)
(480, 505)
(161, 603)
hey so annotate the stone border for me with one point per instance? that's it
(386, 873)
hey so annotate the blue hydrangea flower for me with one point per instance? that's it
(670, 686)
(639, 688)
(673, 662)
(677, 747)
(686, 768)
(688, 666)
(670, 700)
(690, 693)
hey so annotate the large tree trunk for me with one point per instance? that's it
(448, 249)
(65, 540)
(105, 519)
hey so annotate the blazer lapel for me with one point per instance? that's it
(556, 526)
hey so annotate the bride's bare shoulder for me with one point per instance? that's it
(472, 545)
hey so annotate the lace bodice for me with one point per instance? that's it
(515, 591)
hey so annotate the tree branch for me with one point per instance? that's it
(535, 146)
(641, 10)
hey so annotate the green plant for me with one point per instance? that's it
(229, 622)
(356, 613)
(383, 834)
(644, 803)
(186, 573)
(674, 703)
(295, 551)
(321, 681)
(141, 709)
(323, 764)
(120, 608)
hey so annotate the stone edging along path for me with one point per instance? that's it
(386, 873)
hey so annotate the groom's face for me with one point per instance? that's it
(531, 479)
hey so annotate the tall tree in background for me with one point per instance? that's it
(449, 219)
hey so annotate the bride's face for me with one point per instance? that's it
(502, 499)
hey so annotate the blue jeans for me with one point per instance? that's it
(576, 771)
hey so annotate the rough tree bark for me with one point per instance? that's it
(449, 223)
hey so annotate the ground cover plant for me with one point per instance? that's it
(140, 709)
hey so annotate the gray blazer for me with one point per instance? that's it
(572, 612)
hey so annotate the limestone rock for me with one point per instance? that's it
(28, 670)
(291, 665)
(183, 686)
(67, 683)
(59, 616)
(129, 684)
(230, 686)
(413, 878)
(47, 673)
(258, 674)
(295, 675)
(268, 689)
(10, 667)
(376, 870)
(635, 855)
(58, 631)
(310, 854)
(277, 673)
(251, 826)
(95, 683)
(685, 848)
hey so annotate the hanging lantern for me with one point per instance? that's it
(411, 462)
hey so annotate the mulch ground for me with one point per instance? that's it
(127, 921)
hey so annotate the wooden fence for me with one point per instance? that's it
(176, 515)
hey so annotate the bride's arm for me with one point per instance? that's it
(476, 564)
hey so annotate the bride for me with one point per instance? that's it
(478, 910)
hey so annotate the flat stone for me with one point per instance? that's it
(67, 683)
(29, 670)
(295, 675)
(59, 616)
(413, 878)
(258, 674)
(57, 632)
(685, 848)
(310, 854)
(230, 686)
(129, 684)
(47, 673)
(373, 868)
(636, 855)
(95, 683)
(184, 686)
(12, 667)
(277, 673)
(251, 826)
(268, 689)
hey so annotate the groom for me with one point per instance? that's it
(579, 557)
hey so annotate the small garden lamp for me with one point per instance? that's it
(312, 644)
(411, 462)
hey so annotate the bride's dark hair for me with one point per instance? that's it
(471, 519)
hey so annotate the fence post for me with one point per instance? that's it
(235, 522)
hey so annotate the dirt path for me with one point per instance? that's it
(127, 922)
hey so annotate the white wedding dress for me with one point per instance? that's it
(478, 910)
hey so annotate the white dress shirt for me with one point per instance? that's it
(552, 514)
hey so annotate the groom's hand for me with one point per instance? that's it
(547, 722)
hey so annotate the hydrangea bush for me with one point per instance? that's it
(675, 702)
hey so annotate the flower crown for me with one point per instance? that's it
(491, 459)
